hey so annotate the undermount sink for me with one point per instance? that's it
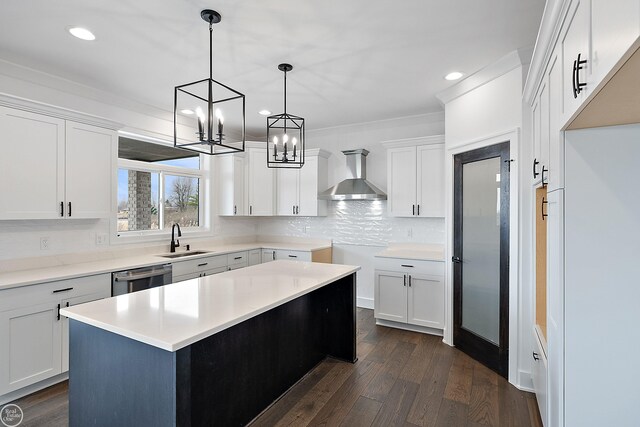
(183, 254)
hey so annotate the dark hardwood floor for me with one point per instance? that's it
(401, 379)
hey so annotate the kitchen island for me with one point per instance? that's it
(216, 350)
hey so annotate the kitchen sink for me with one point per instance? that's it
(184, 254)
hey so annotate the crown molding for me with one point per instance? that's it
(412, 142)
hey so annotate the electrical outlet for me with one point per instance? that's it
(44, 243)
(101, 239)
(409, 232)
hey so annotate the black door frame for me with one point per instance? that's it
(494, 357)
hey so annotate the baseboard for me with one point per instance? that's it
(365, 302)
(17, 394)
(408, 327)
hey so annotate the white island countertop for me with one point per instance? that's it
(174, 316)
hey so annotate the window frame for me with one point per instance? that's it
(162, 233)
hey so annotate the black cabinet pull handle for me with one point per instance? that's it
(274, 255)
(406, 265)
(535, 356)
(409, 280)
(238, 257)
(58, 316)
(62, 290)
(297, 210)
(293, 256)
(418, 210)
(535, 163)
(405, 280)
(69, 208)
(544, 183)
(203, 264)
(235, 209)
(250, 210)
(456, 259)
(414, 210)
(61, 208)
(544, 202)
(578, 65)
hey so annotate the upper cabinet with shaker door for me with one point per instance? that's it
(54, 168)
(261, 184)
(297, 189)
(231, 184)
(415, 177)
(576, 57)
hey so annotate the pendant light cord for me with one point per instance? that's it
(285, 91)
(211, 49)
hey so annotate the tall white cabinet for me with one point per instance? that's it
(54, 168)
(297, 189)
(415, 177)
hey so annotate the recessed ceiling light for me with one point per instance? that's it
(264, 112)
(82, 33)
(187, 112)
(453, 76)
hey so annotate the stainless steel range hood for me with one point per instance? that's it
(355, 187)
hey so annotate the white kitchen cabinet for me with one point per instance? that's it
(409, 292)
(268, 255)
(539, 378)
(292, 255)
(237, 260)
(574, 40)
(415, 181)
(261, 184)
(53, 169)
(255, 257)
(199, 267)
(390, 299)
(33, 334)
(297, 189)
(231, 184)
(554, 175)
(614, 29)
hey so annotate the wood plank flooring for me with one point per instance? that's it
(401, 379)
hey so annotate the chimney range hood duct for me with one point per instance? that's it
(355, 187)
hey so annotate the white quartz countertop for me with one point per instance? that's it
(414, 251)
(36, 275)
(174, 316)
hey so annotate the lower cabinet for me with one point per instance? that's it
(268, 255)
(293, 255)
(411, 294)
(255, 256)
(34, 336)
(539, 377)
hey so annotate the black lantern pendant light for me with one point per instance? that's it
(285, 135)
(208, 116)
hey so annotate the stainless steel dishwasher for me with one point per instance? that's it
(138, 279)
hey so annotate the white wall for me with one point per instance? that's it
(360, 229)
(490, 113)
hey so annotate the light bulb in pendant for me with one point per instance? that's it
(285, 138)
(220, 120)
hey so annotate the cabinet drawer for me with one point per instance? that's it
(198, 265)
(25, 296)
(238, 258)
(293, 255)
(435, 268)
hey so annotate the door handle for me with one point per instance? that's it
(293, 256)
(250, 210)
(293, 209)
(409, 280)
(62, 290)
(203, 264)
(405, 280)
(577, 66)
(413, 210)
(61, 208)
(535, 163)
(297, 210)
(544, 202)
(535, 356)
(69, 208)
(544, 183)
(456, 259)
(418, 210)
(58, 317)
(235, 209)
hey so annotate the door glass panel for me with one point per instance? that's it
(481, 248)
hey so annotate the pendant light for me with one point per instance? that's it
(208, 116)
(285, 135)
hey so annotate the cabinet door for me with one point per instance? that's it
(539, 378)
(575, 41)
(426, 300)
(255, 257)
(268, 255)
(615, 26)
(555, 306)
(535, 126)
(287, 190)
(31, 346)
(401, 181)
(430, 180)
(310, 177)
(543, 105)
(390, 300)
(231, 173)
(261, 184)
(32, 165)
(555, 175)
(64, 322)
(91, 154)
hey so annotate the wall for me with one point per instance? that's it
(489, 112)
(360, 229)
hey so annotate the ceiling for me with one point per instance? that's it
(354, 61)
